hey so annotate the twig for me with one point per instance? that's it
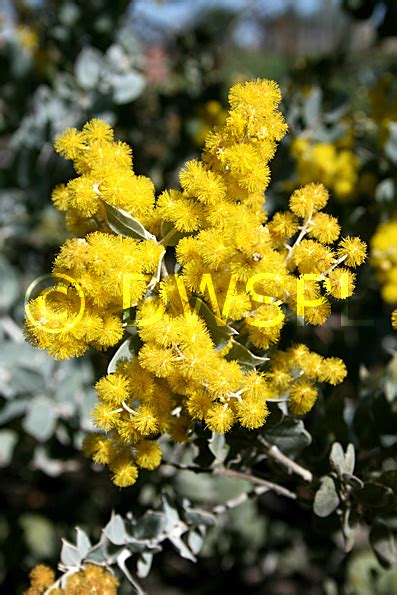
(336, 263)
(304, 230)
(254, 479)
(68, 572)
(223, 471)
(240, 499)
(275, 453)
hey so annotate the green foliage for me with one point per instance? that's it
(140, 539)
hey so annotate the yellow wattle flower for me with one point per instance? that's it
(249, 272)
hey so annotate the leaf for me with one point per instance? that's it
(13, 409)
(144, 564)
(182, 548)
(337, 458)
(170, 511)
(218, 446)
(349, 527)
(289, 435)
(40, 420)
(127, 87)
(382, 542)
(83, 543)
(70, 555)
(121, 561)
(123, 353)
(115, 530)
(326, 499)
(28, 381)
(151, 525)
(374, 495)
(16, 355)
(244, 356)
(350, 459)
(195, 541)
(124, 224)
(8, 440)
(99, 554)
(88, 67)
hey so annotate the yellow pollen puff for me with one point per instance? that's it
(252, 412)
(333, 371)
(97, 130)
(125, 473)
(220, 419)
(70, 143)
(148, 454)
(353, 249)
(202, 183)
(60, 197)
(302, 395)
(113, 388)
(308, 200)
(283, 226)
(324, 228)
(340, 283)
(312, 257)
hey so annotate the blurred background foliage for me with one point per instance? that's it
(159, 71)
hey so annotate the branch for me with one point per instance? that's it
(240, 499)
(275, 453)
(223, 471)
(302, 233)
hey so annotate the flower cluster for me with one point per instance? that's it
(336, 167)
(82, 310)
(384, 259)
(105, 177)
(214, 280)
(91, 579)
